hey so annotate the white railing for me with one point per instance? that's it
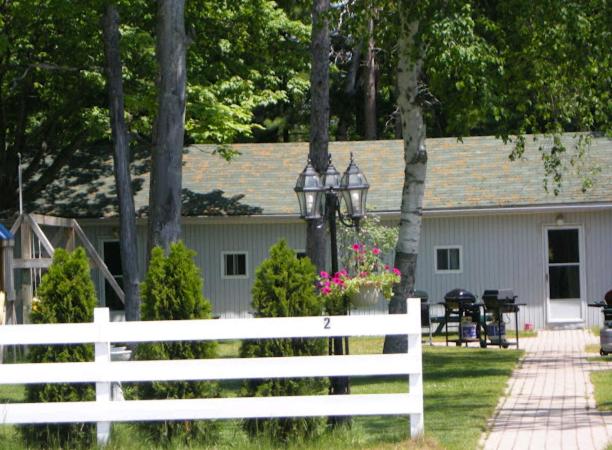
(103, 372)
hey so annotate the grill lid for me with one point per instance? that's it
(502, 295)
(460, 295)
(608, 297)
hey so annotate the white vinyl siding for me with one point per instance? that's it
(498, 251)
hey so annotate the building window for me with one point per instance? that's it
(112, 258)
(234, 265)
(448, 259)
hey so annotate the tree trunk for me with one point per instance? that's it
(369, 107)
(347, 110)
(415, 156)
(165, 187)
(316, 241)
(127, 214)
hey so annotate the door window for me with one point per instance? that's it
(564, 264)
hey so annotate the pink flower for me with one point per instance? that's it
(356, 247)
(324, 274)
(327, 284)
(326, 290)
(396, 271)
(363, 274)
(337, 280)
(387, 267)
(376, 251)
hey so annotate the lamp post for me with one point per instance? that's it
(320, 197)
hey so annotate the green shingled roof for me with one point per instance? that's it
(475, 173)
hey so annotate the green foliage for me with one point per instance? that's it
(66, 295)
(284, 287)
(53, 89)
(372, 233)
(172, 290)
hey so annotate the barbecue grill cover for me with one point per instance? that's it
(608, 297)
(459, 295)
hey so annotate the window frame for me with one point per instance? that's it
(224, 276)
(448, 247)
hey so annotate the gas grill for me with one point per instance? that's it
(462, 304)
(498, 302)
(605, 334)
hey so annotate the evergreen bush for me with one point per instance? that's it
(66, 295)
(284, 287)
(172, 290)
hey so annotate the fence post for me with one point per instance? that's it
(103, 390)
(416, 377)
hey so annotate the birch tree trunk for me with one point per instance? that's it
(316, 241)
(165, 187)
(127, 214)
(415, 157)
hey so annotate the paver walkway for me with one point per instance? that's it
(549, 404)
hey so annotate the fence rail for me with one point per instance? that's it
(103, 372)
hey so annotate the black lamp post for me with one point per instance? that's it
(319, 198)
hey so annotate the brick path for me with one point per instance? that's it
(549, 402)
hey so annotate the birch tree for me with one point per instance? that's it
(410, 64)
(497, 68)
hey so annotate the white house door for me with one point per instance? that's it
(564, 267)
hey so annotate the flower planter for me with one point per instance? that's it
(366, 296)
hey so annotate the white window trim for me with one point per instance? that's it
(448, 247)
(246, 265)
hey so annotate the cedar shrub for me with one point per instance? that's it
(66, 295)
(284, 287)
(172, 290)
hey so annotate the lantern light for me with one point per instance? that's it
(354, 187)
(309, 190)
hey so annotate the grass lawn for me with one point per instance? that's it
(602, 383)
(461, 385)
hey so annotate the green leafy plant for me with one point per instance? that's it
(172, 290)
(365, 269)
(66, 295)
(284, 287)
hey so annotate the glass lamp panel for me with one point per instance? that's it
(302, 202)
(356, 202)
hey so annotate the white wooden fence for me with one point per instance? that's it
(103, 372)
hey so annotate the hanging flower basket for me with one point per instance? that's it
(367, 295)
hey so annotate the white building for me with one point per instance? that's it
(488, 222)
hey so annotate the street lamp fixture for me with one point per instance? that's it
(308, 189)
(319, 197)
